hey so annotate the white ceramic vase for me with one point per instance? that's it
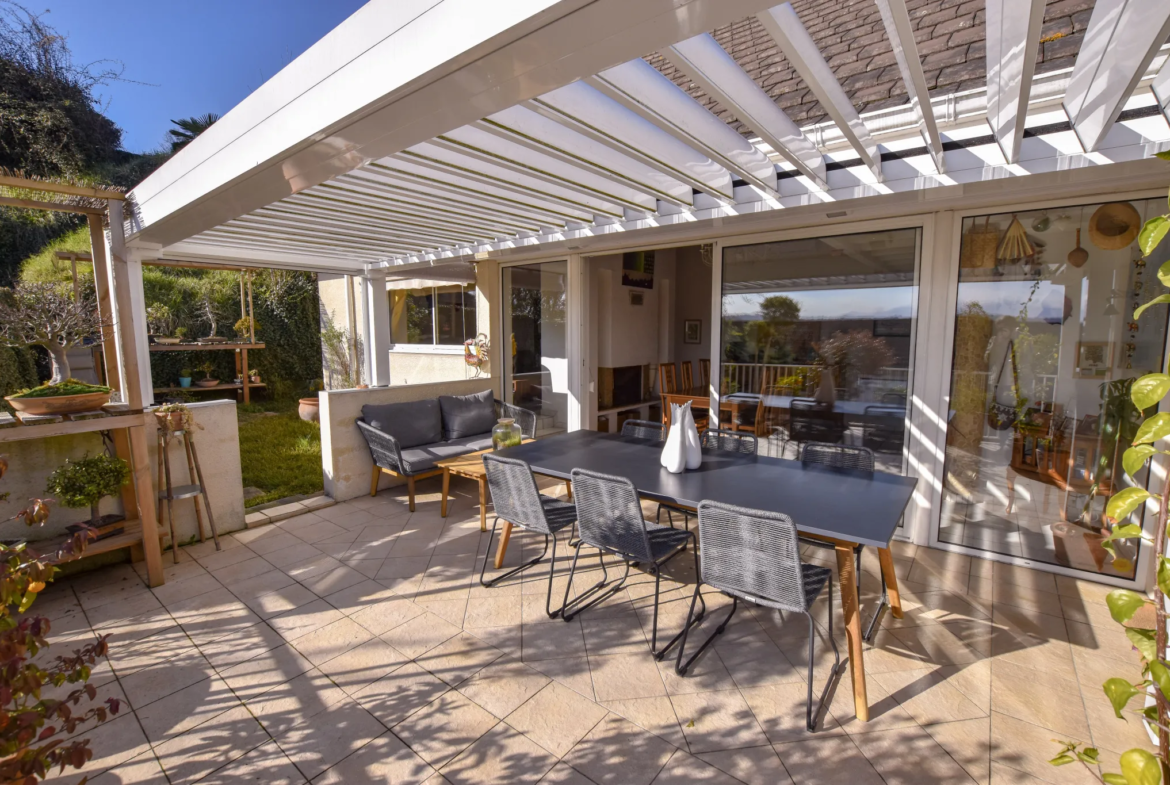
(691, 439)
(674, 455)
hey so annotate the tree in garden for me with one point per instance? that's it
(1139, 767)
(853, 354)
(188, 128)
(35, 730)
(86, 482)
(48, 315)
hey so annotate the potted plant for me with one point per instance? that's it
(245, 328)
(160, 321)
(50, 316)
(174, 417)
(254, 376)
(211, 311)
(86, 482)
(181, 334)
(208, 368)
(185, 377)
(309, 409)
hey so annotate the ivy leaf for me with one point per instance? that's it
(1114, 779)
(1119, 691)
(1164, 155)
(1164, 270)
(1135, 458)
(1153, 428)
(1061, 760)
(1162, 298)
(1148, 390)
(1126, 532)
(1089, 755)
(1143, 641)
(1152, 233)
(1164, 574)
(1160, 675)
(1140, 767)
(1123, 604)
(1125, 501)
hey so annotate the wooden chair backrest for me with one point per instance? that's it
(667, 381)
(705, 372)
(688, 375)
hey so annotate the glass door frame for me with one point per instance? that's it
(946, 293)
(917, 451)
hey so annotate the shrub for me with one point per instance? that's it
(86, 482)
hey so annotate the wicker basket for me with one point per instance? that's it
(979, 246)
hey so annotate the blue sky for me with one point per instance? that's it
(194, 57)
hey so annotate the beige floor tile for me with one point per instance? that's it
(240, 571)
(267, 764)
(149, 684)
(114, 742)
(556, 718)
(240, 646)
(1039, 698)
(717, 721)
(381, 617)
(755, 660)
(704, 675)
(780, 711)
(180, 711)
(419, 634)
(142, 770)
(366, 594)
(908, 756)
(1108, 732)
(501, 755)
(625, 676)
(333, 580)
(400, 693)
(571, 672)
(885, 713)
(444, 728)
(384, 761)
(305, 619)
(503, 686)
(553, 641)
(1025, 747)
(459, 658)
(969, 743)
(683, 769)
(452, 611)
(130, 656)
(656, 715)
(617, 752)
(362, 665)
(332, 640)
(753, 765)
(210, 746)
(492, 612)
(810, 760)
(265, 671)
(564, 774)
(954, 643)
(295, 702)
(331, 736)
(282, 600)
(620, 634)
(928, 695)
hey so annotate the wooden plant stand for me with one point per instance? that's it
(170, 493)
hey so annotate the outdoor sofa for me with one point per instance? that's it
(407, 439)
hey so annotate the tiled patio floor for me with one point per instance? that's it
(356, 645)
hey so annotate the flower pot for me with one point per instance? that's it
(167, 340)
(60, 404)
(207, 382)
(170, 421)
(255, 379)
(310, 409)
(184, 381)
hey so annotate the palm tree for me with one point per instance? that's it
(188, 129)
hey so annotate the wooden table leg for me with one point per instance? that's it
(501, 551)
(846, 573)
(569, 489)
(887, 561)
(483, 506)
(446, 488)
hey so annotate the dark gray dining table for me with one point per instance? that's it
(845, 507)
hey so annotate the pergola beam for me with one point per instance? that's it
(1122, 38)
(390, 221)
(330, 227)
(708, 65)
(1161, 88)
(1013, 39)
(377, 194)
(896, 19)
(8, 181)
(786, 29)
(32, 204)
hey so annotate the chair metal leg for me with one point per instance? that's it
(874, 623)
(659, 654)
(570, 610)
(509, 573)
(810, 718)
(681, 667)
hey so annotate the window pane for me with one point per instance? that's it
(410, 316)
(449, 315)
(822, 329)
(534, 353)
(1045, 352)
(470, 325)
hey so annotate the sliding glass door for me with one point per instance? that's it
(535, 350)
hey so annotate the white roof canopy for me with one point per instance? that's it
(418, 134)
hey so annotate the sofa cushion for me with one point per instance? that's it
(411, 422)
(467, 415)
(423, 458)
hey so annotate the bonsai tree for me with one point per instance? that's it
(86, 482)
(208, 368)
(159, 319)
(245, 327)
(48, 315)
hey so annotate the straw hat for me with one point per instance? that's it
(1114, 226)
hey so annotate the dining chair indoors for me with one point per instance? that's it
(609, 518)
(515, 499)
(841, 456)
(643, 429)
(754, 556)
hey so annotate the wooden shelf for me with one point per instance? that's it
(18, 433)
(229, 386)
(202, 347)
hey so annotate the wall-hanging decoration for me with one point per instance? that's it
(1093, 359)
(1015, 246)
(1114, 226)
(1078, 256)
(638, 269)
(692, 331)
(979, 244)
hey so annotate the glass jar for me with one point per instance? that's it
(506, 434)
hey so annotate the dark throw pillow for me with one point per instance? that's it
(412, 423)
(467, 415)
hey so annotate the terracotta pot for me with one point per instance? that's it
(207, 382)
(310, 409)
(61, 404)
(170, 421)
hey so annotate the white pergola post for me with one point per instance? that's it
(377, 328)
(125, 273)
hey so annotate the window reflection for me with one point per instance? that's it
(1045, 352)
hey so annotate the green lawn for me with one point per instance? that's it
(280, 453)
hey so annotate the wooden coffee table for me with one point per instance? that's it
(471, 467)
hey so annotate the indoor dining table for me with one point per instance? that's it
(845, 507)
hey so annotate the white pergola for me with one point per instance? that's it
(420, 134)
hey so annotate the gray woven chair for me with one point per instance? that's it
(609, 518)
(643, 429)
(516, 500)
(754, 556)
(841, 456)
(717, 441)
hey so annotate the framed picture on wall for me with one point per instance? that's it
(693, 331)
(1094, 358)
(638, 269)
